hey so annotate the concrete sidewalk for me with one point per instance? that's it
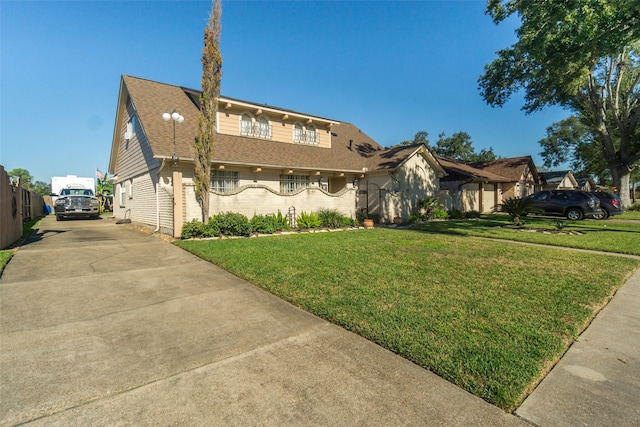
(597, 382)
(104, 325)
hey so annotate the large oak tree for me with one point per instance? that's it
(582, 55)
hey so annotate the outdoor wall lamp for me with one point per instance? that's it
(174, 117)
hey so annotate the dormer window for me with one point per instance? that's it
(305, 134)
(264, 129)
(256, 128)
(298, 133)
(312, 135)
(246, 125)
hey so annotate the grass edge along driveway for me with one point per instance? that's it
(490, 317)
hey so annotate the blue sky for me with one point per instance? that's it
(392, 68)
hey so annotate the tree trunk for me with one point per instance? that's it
(621, 175)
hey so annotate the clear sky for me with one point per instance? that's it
(392, 68)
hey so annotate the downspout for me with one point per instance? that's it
(158, 197)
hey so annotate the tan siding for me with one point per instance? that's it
(281, 130)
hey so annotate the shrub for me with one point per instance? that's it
(440, 214)
(472, 214)
(262, 224)
(231, 224)
(634, 207)
(308, 220)
(416, 217)
(348, 222)
(428, 206)
(269, 224)
(193, 228)
(454, 214)
(516, 207)
(331, 218)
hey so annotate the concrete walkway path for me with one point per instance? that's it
(597, 382)
(101, 324)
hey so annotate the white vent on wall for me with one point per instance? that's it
(127, 135)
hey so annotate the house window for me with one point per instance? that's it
(305, 135)
(131, 128)
(123, 194)
(291, 183)
(312, 135)
(298, 133)
(264, 129)
(246, 125)
(223, 181)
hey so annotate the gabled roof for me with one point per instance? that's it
(393, 158)
(556, 177)
(512, 168)
(460, 171)
(351, 149)
(582, 181)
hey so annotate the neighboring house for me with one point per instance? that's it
(266, 159)
(481, 186)
(559, 180)
(586, 183)
(469, 189)
(520, 172)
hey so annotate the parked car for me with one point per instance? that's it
(573, 204)
(76, 203)
(610, 204)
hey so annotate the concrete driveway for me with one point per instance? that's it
(102, 324)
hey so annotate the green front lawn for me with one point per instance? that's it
(607, 235)
(491, 317)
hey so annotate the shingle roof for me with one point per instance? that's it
(511, 168)
(457, 171)
(554, 177)
(351, 149)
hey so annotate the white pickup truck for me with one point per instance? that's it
(76, 203)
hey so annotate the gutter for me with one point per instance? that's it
(158, 197)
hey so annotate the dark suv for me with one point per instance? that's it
(573, 204)
(610, 204)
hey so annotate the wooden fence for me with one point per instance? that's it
(17, 206)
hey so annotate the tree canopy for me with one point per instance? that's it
(581, 55)
(21, 174)
(457, 146)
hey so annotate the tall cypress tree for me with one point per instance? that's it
(211, 77)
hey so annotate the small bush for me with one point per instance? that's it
(231, 224)
(416, 217)
(440, 214)
(454, 214)
(634, 208)
(191, 229)
(348, 222)
(308, 220)
(269, 224)
(428, 206)
(330, 218)
(262, 224)
(472, 214)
